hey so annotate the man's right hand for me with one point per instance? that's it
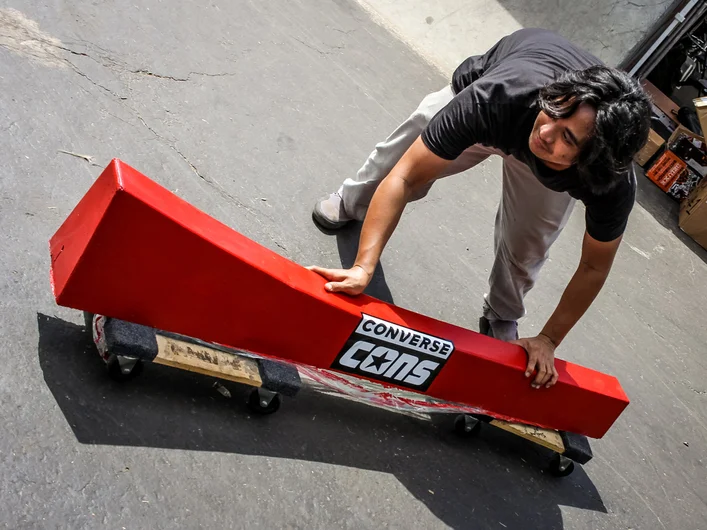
(348, 281)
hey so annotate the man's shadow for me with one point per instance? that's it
(347, 242)
(493, 481)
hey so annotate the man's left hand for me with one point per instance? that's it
(541, 355)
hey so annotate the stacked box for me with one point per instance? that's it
(681, 166)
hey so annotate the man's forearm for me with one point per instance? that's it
(382, 217)
(578, 296)
(418, 167)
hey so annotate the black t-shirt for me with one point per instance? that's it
(496, 105)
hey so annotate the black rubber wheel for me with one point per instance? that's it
(116, 374)
(255, 404)
(466, 425)
(560, 466)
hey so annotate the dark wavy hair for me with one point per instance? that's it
(623, 113)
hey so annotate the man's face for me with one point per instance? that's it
(558, 142)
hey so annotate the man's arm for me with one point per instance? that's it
(594, 266)
(418, 167)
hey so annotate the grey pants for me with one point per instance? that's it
(529, 218)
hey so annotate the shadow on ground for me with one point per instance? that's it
(665, 210)
(347, 243)
(493, 481)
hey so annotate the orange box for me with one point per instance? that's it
(666, 170)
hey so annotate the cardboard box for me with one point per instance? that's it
(682, 130)
(701, 108)
(693, 214)
(654, 143)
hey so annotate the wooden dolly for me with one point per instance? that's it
(125, 346)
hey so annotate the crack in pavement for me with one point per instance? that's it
(122, 99)
(22, 36)
(180, 79)
(700, 392)
(82, 74)
(210, 181)
(123, 67)
(213, 183)
(317, 49)
(14, 44)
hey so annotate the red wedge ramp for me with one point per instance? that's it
(133, 250)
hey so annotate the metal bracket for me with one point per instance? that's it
(126, 363)
(265, 397)
(564, 462)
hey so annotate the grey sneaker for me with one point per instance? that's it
(504, 330)
(498, 329)
(329, 212)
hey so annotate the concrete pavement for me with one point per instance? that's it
(446, 32)
(251, 111)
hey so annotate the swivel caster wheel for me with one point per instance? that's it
(560, 466)
(263, 402)
(467, 426)
(123, 369)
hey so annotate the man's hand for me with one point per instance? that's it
(541, 355)
(594, 266)
(348, 281)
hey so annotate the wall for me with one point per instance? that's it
(447, 31)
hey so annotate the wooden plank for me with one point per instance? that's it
(545, 437)
(207, 361)
(663, 102)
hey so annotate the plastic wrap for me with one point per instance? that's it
(331, 383)
(374, 394)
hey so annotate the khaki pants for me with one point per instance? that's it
(529, 218)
